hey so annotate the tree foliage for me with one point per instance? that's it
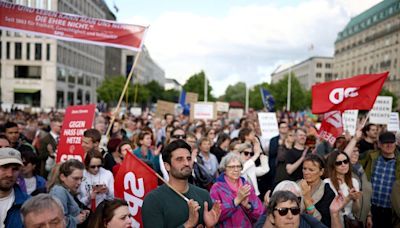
(236, 92)
(386, 92)
(195, 84)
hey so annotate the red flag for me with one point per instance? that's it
(331, 126)
(358, 92)
(133, 181)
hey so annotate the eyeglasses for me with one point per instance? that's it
(234, 167)
(284, 210)
(179, 136)
(246, 153)
(338, 163)
(95, 166)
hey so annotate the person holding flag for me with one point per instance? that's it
(164, 207)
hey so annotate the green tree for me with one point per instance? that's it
(156, 91)
(236, 92)
(171, 95)
(195, 84)
(386, 92)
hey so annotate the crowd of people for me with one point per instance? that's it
(220, 173)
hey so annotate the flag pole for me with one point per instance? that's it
(289, 89)
(128, 80)
(205, 89)
(247, 99)
(172, 188)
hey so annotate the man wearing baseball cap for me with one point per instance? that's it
(11, 196)
(382, 168)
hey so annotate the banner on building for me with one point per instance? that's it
(381, 110)
(77, 120)
(394, 124)
(350, 118)
(268, 124)
(132, 183)
(331, 126)
(71, 27)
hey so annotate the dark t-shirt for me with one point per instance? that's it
(292, 156)
(365, 146)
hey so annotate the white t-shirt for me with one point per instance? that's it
(89, 180)
(30, 184)
(5, 205)
(345, 191)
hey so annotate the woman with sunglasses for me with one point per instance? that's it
(317, 194)
(240, 206)
(98, 183)
(341, 182)
(250, 171)
(111, 214)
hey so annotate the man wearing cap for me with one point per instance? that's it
(382, 168)
(11, 196)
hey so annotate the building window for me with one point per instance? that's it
(70, 98)
(318, 75)
(80, 80)
(328, 76)
(8, 50)
(29, 97)
(28, 51)
(88, 82)
(18, 50)
(38, 51)
(71, 79)
(319, 65)
(48, 52)
(328, 65)
(60, 99)
(27, 72)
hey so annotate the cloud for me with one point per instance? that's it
(248, 42)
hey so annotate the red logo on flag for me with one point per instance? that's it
(133, 181)
(358, 92)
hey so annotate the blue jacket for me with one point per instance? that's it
(13, 218)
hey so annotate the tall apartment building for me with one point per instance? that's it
(370, 43)
(313, 70)
(45, 72)
(146, 70)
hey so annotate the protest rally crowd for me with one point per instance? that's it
(228, 175)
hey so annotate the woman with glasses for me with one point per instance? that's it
(111, 214)
(341, 182)
(240, 206)
(98, 183)
(317, 194)
(250, 171)
(68, 179)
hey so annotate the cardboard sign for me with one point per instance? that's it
(268, 124)
(222, 106)
(394, 124)
(164, 107)
(136, 111)
(349, 118)
(77, 120)
(380, 113)
(191, 97)
(235, 113)
(203, 111)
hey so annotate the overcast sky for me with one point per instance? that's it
(237, 40)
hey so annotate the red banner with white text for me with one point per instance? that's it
(132, 183)
(358, 92)
(331, 126)
(77, 120)
(71, 27)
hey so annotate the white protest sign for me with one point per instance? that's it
(204, 111)
(349, 118)
(268, 124)
(235, 113)
(381, 110)
(222, 106)
(394, 124)
(136, 111)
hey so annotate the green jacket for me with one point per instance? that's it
(369, 163)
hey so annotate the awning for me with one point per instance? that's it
(26, 90)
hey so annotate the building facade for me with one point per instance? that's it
(311, 71)
(171, 83)
(146, 70)
(370, 43)
(46, 73)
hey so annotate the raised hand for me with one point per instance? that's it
(193, 214)
(243, 193)
(305, 188)
(157, 151)
(211, 217)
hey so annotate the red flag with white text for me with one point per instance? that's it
(358, 92)
(331, 126)
(132, 183)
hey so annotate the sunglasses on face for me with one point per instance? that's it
(284, 210)
(246, 153)
(338, 163)
(179, 136)
(95, 166)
